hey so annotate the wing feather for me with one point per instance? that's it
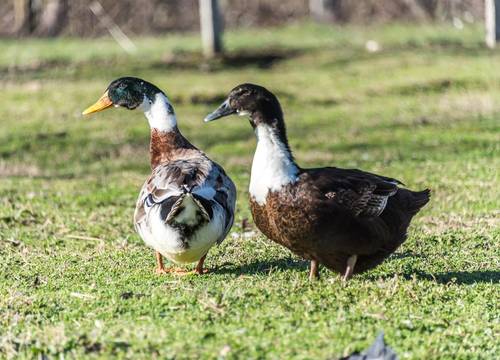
(364, 194)
(205, 179)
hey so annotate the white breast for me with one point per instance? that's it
(272, 165)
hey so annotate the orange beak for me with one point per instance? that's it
(103, 103)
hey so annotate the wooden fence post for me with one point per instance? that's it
(211, 28)
(322, 10)
(492, 21)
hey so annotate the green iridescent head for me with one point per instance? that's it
(127, 92)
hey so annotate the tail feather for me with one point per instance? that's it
(171, 208)
(204, 206)
(175, 204)
(418, 200)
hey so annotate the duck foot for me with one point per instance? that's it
(351, 261)
(161, 271)
(181, 272)
(314, 272)
(160, 268)
(184, 272)
(174, 271)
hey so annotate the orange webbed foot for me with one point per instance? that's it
(161, 271)
(181, 272)
(201, 271)
(173, 271)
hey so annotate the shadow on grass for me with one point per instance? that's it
(450, 277)
(263, 267)
(406, 254)
(350, 56)
(261, 58)
(462, 277)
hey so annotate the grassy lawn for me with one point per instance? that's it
(75, 279)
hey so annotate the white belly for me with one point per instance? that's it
(168, 241)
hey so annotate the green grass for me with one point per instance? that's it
(75, 279)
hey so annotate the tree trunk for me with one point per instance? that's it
(24, 17)
(211, 28)
(54, 18)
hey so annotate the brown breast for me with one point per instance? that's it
(287, 218)
(167, 146)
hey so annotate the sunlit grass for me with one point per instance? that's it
(76, 281)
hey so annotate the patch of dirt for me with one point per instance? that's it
(470, 103)
(8, 169)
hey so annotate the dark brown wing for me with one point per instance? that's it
(362, 193)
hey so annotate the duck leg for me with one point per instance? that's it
(160, 269)
(199, 267)
(314, 272)
(351, 261)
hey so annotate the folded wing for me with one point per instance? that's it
(364, 194)
(203, 179)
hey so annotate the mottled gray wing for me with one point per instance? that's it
(168, 182)
(200, 176)
(225, 196)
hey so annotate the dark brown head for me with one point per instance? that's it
(262, 107)
(253, 100)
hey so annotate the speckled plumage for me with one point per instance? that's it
(180, 168)
(183, 175)
(187, 203)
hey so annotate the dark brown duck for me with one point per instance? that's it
(348, 220)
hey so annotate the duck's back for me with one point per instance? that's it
(329, 214)
(163, 215)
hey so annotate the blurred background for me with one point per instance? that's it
(146, 17)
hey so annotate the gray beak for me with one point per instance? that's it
(223, 110)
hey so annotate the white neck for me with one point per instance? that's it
(272, 166)
(159, 113)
